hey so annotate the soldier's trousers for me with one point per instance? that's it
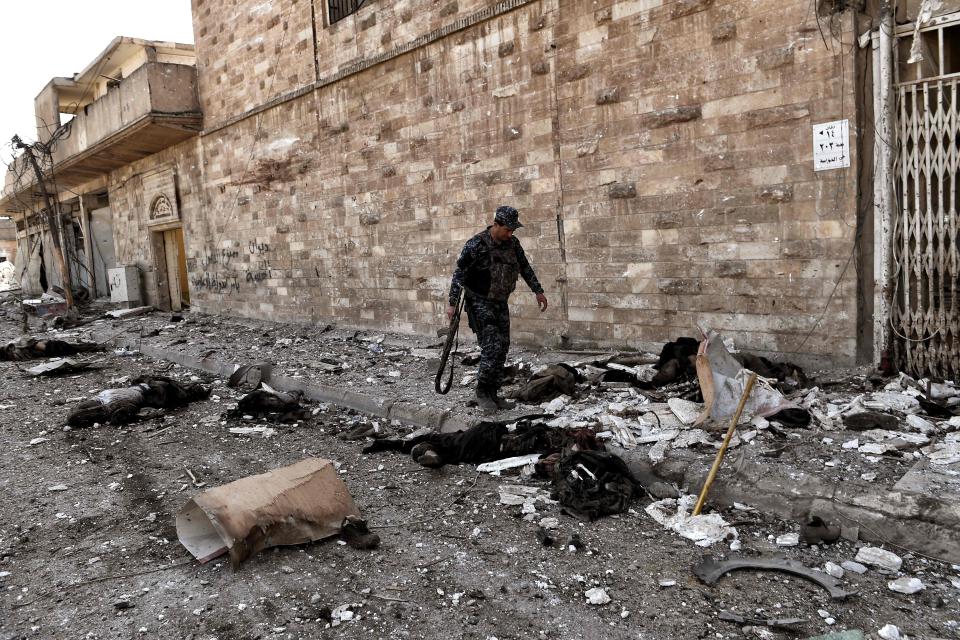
(491, 322)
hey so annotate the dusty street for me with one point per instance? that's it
(88, 547)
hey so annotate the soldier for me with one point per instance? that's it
(487, 270)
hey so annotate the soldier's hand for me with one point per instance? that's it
(450, 311)
(542, 301)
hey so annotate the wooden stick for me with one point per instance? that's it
(723, 447)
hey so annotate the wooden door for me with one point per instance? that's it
(176, 263)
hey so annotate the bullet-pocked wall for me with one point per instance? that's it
(660, 154)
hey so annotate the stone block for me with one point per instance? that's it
(673, 115)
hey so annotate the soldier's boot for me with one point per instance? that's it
(485, 398)
(502, 403)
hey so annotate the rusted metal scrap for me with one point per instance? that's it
(709, 571)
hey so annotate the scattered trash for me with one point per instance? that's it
(906, 585)
(250, 374)
(879, 558)
(709, 571)
(527, 497)
(722, 382)
(775, 623)
(704, 529)
(299, 503)
(597, 596)
(59, 367)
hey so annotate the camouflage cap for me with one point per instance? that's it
(508, 217)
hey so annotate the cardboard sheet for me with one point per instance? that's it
(303, 502)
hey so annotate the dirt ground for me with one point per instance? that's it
(88, 547)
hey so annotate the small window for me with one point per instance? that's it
(337, 10)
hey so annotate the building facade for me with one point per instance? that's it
(677, 163)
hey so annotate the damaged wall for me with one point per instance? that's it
(8, 240)
(174, 173)
(660, 154)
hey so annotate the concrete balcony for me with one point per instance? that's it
(154, 108)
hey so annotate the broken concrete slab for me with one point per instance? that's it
(123, 314)
(922, 522)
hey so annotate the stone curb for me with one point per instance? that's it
(416, 414)
(906, 520)
(903, 519)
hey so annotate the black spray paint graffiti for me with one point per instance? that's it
(258, 248)
(216, 282)
(223, 256)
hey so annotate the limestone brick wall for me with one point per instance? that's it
(660, 153)
(250, 51)
(129, 201)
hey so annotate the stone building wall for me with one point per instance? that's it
(660, 153)
(176, 171)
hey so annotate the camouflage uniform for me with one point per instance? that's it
(488, 272)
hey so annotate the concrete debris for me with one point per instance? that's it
(526, 463)
(527, 497)
(921, 425)
(788, 540)
(58, 487)
(123, 314)
(855, 567)
(946, 452)
(710, 571)
(879, 558)
(906, 585)
(833, 569)
(686, 411)
(265, 432)
(597, 596)
(889, 632)
(704, 529)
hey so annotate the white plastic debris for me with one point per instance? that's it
(906, 585)
(597, 596)
(788, 540)
(704, 530)
(850, 444)
(889, 632)
(37, 441)
(880, 558)
(833, 569)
